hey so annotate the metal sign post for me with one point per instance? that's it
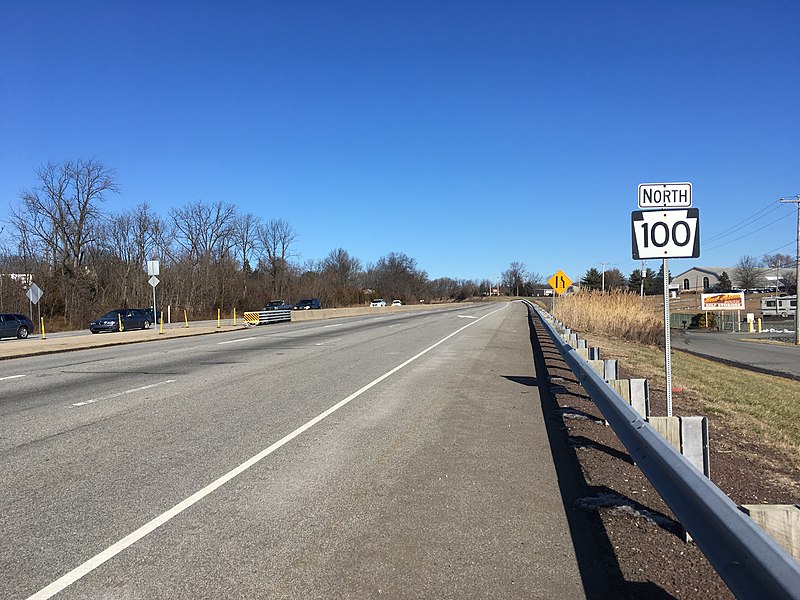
(35, 294)
(559, 282)
(670, 229)
(667, 344)
(154, 281)
(153, 268)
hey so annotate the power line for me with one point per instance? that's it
(749, 233)
(780, 247)
(770, 208)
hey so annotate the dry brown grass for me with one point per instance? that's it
(618, 315)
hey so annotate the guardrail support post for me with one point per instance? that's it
(781, 521)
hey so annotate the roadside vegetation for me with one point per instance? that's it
(760, 408)
(615, 314)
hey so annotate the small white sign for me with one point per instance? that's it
(665, 195)
(154, 281)
(152, 267)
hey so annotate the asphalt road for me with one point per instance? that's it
(402, 456)
(740, 349)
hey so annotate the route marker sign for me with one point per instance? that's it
(669, 229)
(666, 233)
(665, 195)
(559, 282)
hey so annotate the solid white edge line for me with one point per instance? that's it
(90, 565)
(12, 377)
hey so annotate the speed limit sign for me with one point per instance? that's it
(665, 233)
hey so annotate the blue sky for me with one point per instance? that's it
(466, 134)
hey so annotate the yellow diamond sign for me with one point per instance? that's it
(559, 282)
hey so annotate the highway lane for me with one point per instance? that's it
(433, 479)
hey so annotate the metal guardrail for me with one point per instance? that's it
(751, 563)
(263, 317)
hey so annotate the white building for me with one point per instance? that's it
(701, 279)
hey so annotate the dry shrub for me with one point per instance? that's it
(620, 315)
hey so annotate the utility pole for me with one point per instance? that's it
(603, 266)
(641, 284)
(796, 199)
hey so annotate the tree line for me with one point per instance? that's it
(211, 256)
(749, 273)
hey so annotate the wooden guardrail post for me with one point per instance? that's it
(781, 521)
(689, 436)
(635, 392)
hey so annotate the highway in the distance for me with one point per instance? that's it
(400, 456)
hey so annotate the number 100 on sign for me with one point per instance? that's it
(666, 233)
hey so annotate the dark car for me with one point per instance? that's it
(308, 304)
(15, 325)
(277, 305)
(147, 312)
(132, 318)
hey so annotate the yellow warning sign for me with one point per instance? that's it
(559, 282)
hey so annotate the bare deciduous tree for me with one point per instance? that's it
(276, 238)
(205, 233)
(514, 277)
(246, 245)
(397, 276)
(747, 273)
(60, 217)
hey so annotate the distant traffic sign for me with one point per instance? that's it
(667, 233)
(154, 281)
(34, 293)
(665, 195)
(559, 282)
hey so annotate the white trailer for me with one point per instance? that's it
(779, 306)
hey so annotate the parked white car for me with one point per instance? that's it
(378, 302)
(397, 303)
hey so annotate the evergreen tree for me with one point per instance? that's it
(592, 280)
(724, 284)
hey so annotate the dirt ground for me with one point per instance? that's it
(640, 541)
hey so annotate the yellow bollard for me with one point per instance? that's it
(161, 323)
(750, 323)
(219, 316)
(234, 316)
(119, 317)
(185, 318)
(43, 335)
(759, 325)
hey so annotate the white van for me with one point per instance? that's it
(779, 306)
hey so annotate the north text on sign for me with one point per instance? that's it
(665, 195)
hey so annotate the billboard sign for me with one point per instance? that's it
(722, 301)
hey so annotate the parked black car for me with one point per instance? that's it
(15, 325)
(132, 318)
(308, 304)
